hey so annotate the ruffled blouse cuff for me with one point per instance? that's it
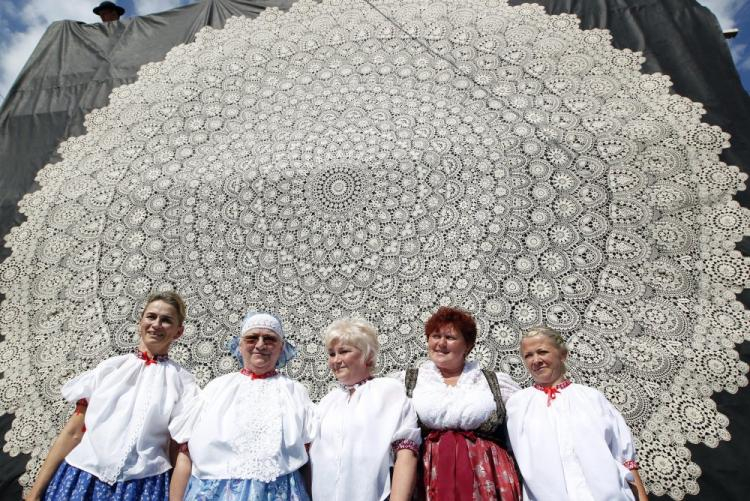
(631, 464)
(405, 444)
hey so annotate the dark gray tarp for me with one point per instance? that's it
(76, 65)
(72, 71)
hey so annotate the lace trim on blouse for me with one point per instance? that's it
(259, 434)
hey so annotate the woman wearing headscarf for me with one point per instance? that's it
(252, 426)
(115, 446)
(367, 425)
(463, 407)
(570, 442)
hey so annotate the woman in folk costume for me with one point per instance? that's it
(570, 442)
(252, 426)
(463, 407)
(130, 405)
(367, 425)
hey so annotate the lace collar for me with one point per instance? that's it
(469, 375)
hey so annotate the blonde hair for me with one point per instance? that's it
(549, 333)
(355, 332)
(171, 298)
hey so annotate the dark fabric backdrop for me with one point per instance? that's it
(76, 65)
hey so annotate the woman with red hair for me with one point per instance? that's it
(462, 409)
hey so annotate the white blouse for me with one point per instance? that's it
(251, 428)
(133, 409)
(464, 406)
(572, 449)
(352, 456)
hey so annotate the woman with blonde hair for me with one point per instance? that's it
(569, 440)
(367, 424)
(115, 446)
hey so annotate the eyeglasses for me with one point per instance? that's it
(263, 338)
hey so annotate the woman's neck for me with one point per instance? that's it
(557, 381)
(151, 353)
(450, 374)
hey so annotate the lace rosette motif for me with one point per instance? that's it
(258, 438)
(339, 158)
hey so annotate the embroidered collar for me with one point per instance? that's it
(143, 355)
(252, 375)
(552, 391)
(351, 387)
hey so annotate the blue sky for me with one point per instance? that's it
(22, 23)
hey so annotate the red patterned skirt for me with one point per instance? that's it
(459, 466)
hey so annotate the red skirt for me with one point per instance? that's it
(459, 466)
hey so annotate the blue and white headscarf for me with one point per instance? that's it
(253, 320)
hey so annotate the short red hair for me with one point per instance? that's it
(460, 319)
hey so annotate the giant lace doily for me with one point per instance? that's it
(342, 158)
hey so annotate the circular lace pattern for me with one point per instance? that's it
(259, 435)
(381, 161)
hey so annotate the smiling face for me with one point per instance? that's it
(261, 349)
(447, 348)
(544, 360)
(158, 327)
(347, 363)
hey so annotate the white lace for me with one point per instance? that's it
(464, 406)
(323, 161)
(258, 437)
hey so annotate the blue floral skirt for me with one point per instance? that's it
(287, 487)
(72, 484)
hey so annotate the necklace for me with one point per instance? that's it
(351, 387)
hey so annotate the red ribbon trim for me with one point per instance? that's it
(148, 360)
(252, 375)
(552, 391)
(81, 405)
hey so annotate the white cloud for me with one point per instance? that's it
(34, 17)
(16, 53)
(143, 7)
(725, 10)
(740, 53)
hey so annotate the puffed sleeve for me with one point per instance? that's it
(507, 385)
(311, 423)
(407, 434)
(82, 386)
(186, 410)
(620, 438)
(399, 376)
